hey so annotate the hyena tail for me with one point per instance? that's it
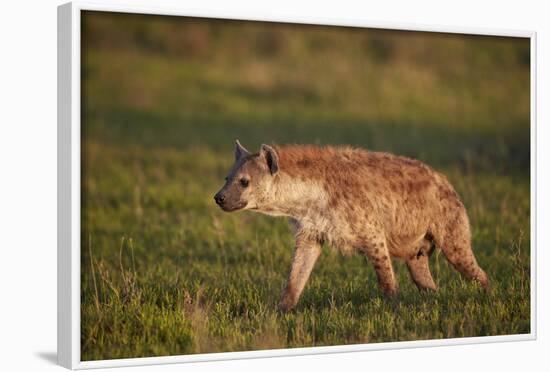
(452, 235)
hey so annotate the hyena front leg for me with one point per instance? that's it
(376, 250)
(305, 255)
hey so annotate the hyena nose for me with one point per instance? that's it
(219, 198)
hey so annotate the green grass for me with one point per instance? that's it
(165, 272)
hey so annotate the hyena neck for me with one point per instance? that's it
(294, 197)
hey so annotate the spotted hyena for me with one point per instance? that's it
(381, 205)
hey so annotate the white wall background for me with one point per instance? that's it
(28, 183)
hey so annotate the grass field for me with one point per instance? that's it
(165, 272)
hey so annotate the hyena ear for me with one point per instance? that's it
(271, 158)
(240, 151)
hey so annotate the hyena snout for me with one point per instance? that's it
(219, 198)
(229, 202)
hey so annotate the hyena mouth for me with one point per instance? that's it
(233, 208)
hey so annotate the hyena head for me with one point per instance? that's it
(248, 184)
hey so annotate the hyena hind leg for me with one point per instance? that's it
(377, 252)
(419, 268)
(457, 247)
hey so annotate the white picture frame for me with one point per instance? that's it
(69, 186)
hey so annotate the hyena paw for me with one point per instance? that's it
(286, 304)
(390, 292)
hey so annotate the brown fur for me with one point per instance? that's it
(379, 204)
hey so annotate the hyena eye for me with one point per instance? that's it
(226, 179)
(244, 182)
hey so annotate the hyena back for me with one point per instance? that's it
(381, 205)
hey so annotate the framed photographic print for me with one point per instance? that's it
(236, 187)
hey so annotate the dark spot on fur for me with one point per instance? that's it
(304, 163)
